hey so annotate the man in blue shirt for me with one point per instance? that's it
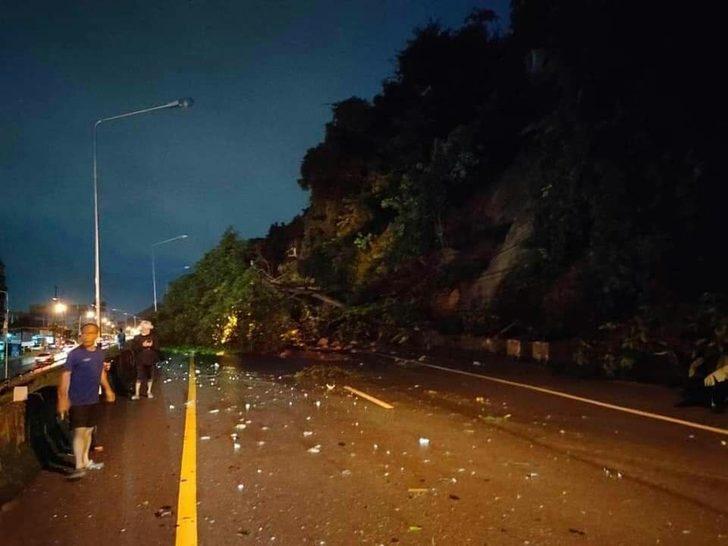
(78, 395)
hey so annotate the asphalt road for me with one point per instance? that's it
(458, 460)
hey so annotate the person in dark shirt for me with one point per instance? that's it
(78, 396)
(120, 338)
(146, 355)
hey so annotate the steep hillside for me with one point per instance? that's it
(557, 181)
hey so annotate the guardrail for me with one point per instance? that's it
(29, 375)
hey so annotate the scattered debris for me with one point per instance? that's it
(424, 442)
(494, 418)
(315, 449)
(164, 511)
(322, 373)
(417, 490)
(241, 487)
(453, 497)
(214, 411)
(6, 507)
(577, 531)
(204, 438)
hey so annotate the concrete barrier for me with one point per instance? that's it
(23, 423)
(540, 351)
(513, 348)
(31, 436)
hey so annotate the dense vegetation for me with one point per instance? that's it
(562, 178)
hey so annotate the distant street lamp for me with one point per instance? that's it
(6, 324)
(59, 308)
(88, 315)
(154, 267)
(126, 315)
(180, 103)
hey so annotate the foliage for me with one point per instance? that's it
(708, 329)
(225, 303)
(372, 321)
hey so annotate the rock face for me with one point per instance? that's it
(446, 303)
(508, 257)
(507, 206)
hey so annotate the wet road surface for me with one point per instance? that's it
(299, 460)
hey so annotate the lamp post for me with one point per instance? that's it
(180, 103)
(90, 314)
(154, 267)
(126, 316)
(59, 308)
(6, 324)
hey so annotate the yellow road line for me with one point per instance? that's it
(366, 396)
(615, 407)
(187, 500)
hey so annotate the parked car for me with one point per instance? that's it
(69, 346)
(44, 358)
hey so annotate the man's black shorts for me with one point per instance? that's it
(84, 416)
(144, 372)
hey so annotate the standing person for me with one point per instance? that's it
(121, 338)
(146, 355)
(78, 396)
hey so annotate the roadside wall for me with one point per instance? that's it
(572, 356)
(22, 426)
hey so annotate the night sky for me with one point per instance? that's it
(263, 75)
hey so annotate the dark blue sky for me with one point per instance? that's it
(263, 75)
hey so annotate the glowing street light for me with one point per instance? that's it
(154, 270)
(179, 103)
(59, 308)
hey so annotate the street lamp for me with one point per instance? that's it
(154, 267)
(90, 314)
(6, 324)
(179, 103)
(59, 308)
